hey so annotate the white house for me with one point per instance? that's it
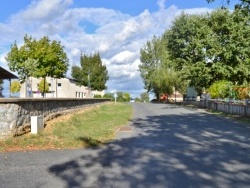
(58, 88)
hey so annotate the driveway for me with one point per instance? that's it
(168, 146)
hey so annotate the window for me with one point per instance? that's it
(76, 94)
(59, 85)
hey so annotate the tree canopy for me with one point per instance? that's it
(91, 72)
(156, 68)
(211, 47)
(242, 4)
(122, 96)
(198, 50)
(38, 58)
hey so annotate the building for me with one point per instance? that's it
(58, 88)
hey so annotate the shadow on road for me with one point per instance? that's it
(185, 150)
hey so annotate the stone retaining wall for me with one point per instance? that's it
(15, 114)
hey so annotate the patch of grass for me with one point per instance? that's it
(238, 118)
(89, 128)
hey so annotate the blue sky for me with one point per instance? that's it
(115, 28)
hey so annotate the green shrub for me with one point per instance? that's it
(221, 89)
(97, 96)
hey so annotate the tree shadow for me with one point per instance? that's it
(90, 141)
(186, 150)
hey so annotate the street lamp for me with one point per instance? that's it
(89, 85)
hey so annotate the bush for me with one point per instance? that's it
(97, 96)
(221, 89)
(242, 92)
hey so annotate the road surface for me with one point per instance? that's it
(168, 146)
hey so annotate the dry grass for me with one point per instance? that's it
(89, 127)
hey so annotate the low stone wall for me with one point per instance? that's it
(15, 114)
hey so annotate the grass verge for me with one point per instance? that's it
(90, 127)
(238, 118)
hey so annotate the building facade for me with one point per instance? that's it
(58, 88)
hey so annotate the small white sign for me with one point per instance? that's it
(115, 95)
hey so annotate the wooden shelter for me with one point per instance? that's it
(4, 74)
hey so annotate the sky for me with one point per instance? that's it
(117, 29)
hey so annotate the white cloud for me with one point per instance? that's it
(161, 4)
(45, 10)
(3, 62)
(123, 57)
(117, 36)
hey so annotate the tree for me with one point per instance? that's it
(243, 4)
(122, 97)
(91, 72)
(154, 62)
(43, 86)
(230, 56)
(209, 48)
(187, 43)
(15, 87)
(149, 56)
(197, 51)
(126, 97)
(144, 97)
(38, 58)
(157, 69)
(137, 99)
(108, 96)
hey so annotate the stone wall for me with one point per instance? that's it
(15, 114)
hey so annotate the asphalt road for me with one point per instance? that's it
(169, 146)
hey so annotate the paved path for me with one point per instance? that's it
(168, 147)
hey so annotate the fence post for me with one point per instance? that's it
(246, 107)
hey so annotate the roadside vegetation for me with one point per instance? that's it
(90, 127)
(238, 118)
(209, 52)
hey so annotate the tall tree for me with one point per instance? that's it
(212, 47)
(38, 58)
(91, 72)
(157, 70)
(230, 54)
(187, 42)
(151, 56)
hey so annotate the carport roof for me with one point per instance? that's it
(4, 74)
